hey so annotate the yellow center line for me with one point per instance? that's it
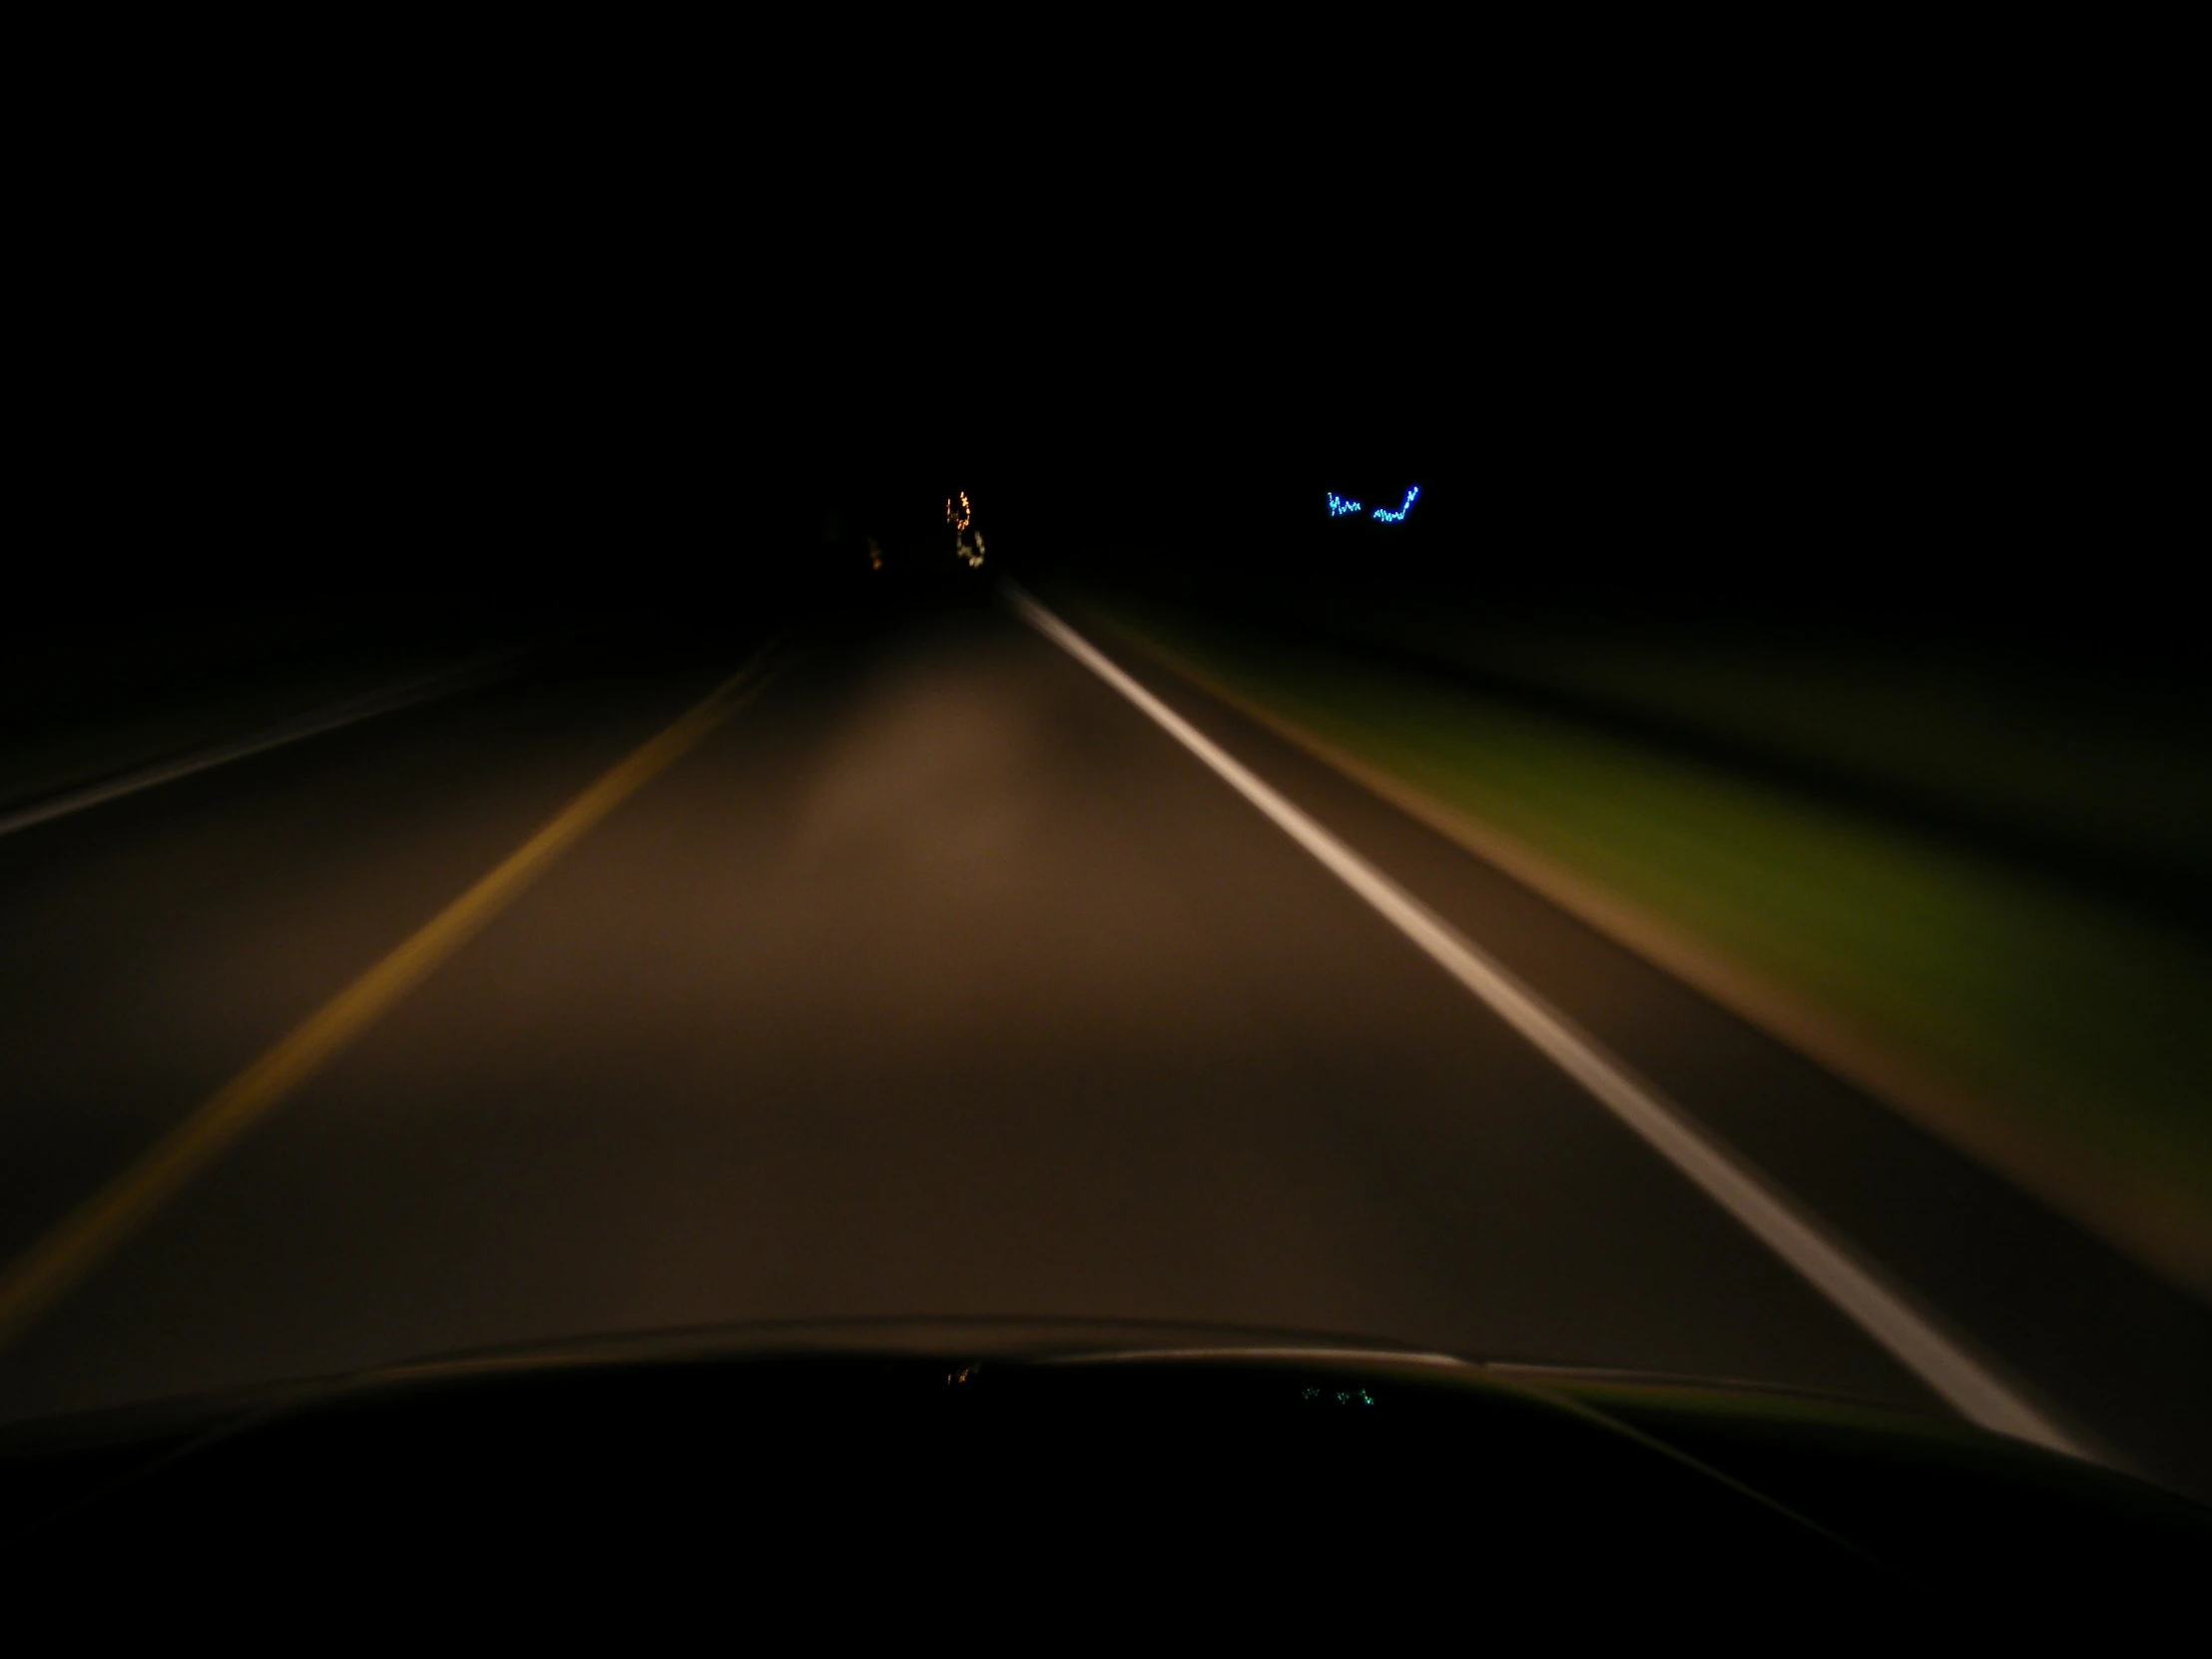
(81, 1239)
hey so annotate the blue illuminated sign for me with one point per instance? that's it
(1340, 506)
(1403, 507)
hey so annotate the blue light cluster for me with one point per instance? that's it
(1385, 516)
(1339, 505)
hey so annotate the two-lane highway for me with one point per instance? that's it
(936, 979)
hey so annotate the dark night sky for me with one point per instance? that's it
(1681, 347)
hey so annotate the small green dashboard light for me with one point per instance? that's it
(1343, 1397)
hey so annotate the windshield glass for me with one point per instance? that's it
(1669, 838)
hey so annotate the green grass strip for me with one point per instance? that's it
(2080, 1026)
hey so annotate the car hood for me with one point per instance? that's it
(1078, 1422)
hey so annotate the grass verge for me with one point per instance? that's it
(2055, 1036)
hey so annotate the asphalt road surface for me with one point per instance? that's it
(936, 980)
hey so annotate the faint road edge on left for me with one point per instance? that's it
(421, 687)
(81, 1240)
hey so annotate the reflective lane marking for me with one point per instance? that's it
(366, 707)
(1938, 1359)
(78, 1243)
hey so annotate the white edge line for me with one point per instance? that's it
(367, 705)
(1879, 1311)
